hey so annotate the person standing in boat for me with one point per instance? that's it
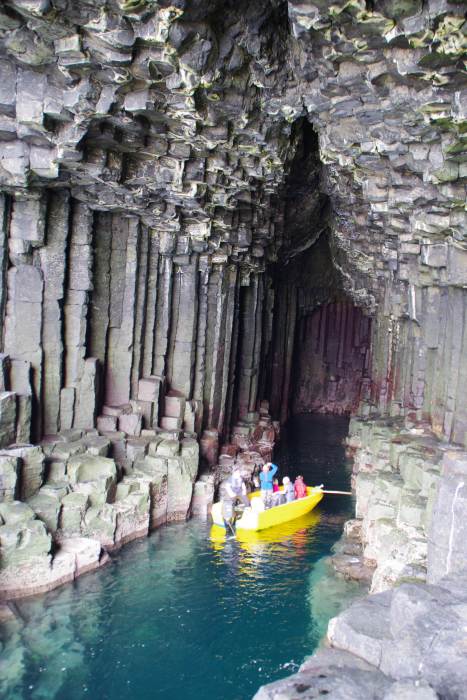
(266, 479)
(236, 489)
(300, 487)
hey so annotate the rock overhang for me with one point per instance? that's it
(181, 115)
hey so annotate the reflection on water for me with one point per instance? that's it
(184, 614)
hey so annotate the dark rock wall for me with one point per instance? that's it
(332, 359)
(167, 168)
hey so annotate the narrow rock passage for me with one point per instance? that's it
(179, 616)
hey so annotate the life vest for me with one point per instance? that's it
(300, 489)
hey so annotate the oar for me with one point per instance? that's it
(230, 527)
(338, 493)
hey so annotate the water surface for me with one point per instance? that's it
(180, 616)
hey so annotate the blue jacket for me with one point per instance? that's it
(266, 478)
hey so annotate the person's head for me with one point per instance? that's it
(299, 478)
(276, 481)
(266, 467)
(286, 480)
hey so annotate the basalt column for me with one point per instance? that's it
(208, 207)
(332, 359)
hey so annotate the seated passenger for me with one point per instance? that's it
(288, 494)
(300, 487)
(277, 495)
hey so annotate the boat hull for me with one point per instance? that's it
(255, 521)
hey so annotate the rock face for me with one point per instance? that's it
(213, 215)
(331, 374)
(161, 165)
(407, 643)
(82, 506)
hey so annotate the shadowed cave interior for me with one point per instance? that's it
(318, 355)
(215, 216)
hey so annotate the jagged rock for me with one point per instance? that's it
(352, 567)
(31, 458)
(9, 470)
(100, 523)
(7, 418)
(97, 445)
(411, 648)
(363, 628)
(106, 423)
(266, 219)
(446, 539)
(133, 511)
(74, 506)
(22, 537)
(335, 673)
(167, 448)
(130, 424)
(47, 508)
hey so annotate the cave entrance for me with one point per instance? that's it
(319, 359)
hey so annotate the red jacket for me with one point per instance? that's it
(300, 489)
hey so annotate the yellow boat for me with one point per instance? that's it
(255, 520)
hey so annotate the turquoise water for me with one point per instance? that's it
(178, 615)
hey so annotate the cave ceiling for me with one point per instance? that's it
(185, 115)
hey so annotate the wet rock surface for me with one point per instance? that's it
(407, 643)
(86, 505)
(213, 215)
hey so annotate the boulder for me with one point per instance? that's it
(329, 673)
(22, 541)
(362, 628)
(94, 476)
(100, 523)
(47, 508)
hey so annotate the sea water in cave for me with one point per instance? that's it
(179, 615)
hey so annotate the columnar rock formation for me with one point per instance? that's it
(210, 211)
